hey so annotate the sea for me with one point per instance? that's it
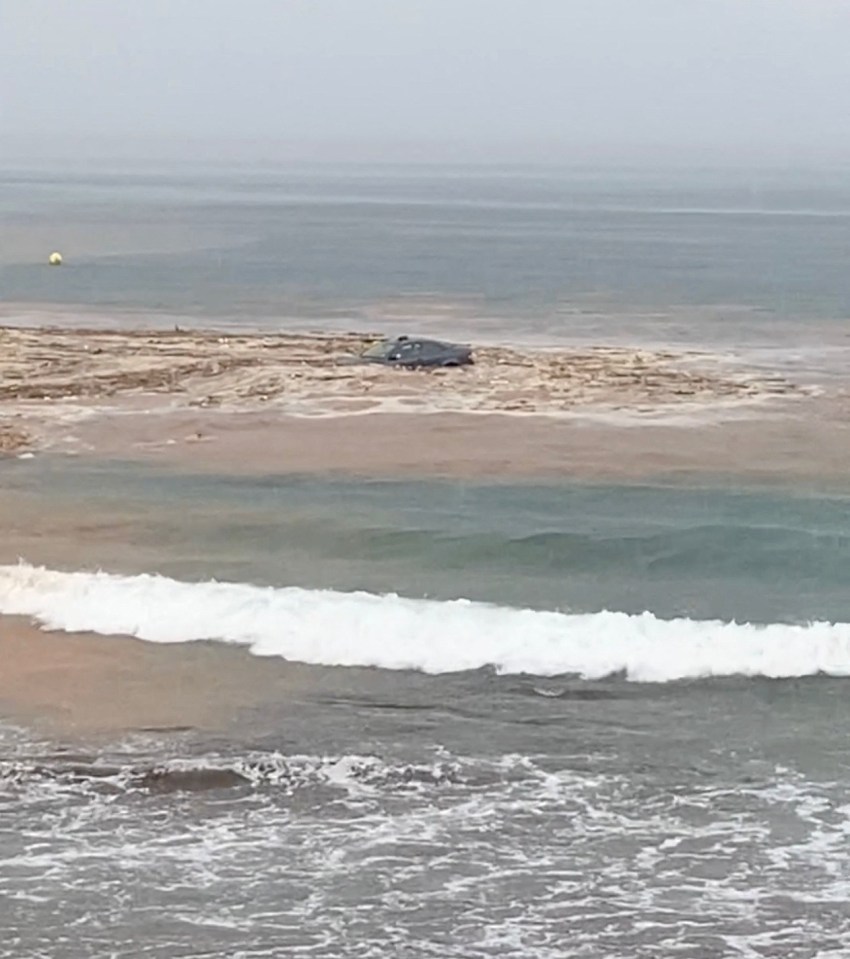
(547, 719)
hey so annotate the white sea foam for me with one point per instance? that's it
(361, 629)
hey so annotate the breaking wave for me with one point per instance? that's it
(391, 632)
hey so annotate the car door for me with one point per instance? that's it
(408, 353)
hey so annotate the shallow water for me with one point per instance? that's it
(567, 846)
(489, 811)
(706, 552)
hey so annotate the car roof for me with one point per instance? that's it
(423, 341)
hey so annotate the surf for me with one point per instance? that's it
(331, 628)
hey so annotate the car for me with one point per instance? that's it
(414, 353)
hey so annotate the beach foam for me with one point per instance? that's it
(392, 632)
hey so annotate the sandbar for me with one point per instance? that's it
(286, 402)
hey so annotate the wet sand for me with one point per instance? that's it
(83, 684)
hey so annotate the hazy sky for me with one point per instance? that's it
(512, 76)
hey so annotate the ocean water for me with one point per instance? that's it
(537, 720)
(721, 256)
(530, 720)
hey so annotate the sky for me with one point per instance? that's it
(432, 78)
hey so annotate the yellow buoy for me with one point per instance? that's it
(55, 259)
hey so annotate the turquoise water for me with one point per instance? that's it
(746, 555)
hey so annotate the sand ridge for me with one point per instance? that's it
(43, 371)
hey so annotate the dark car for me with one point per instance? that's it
(416, 353)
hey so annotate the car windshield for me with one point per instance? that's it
(378, 350)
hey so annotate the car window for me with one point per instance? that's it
(377, 350)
